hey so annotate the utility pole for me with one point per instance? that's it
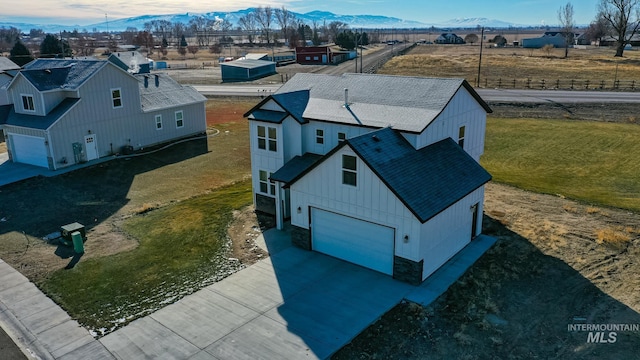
(480, 59)
(361, 49)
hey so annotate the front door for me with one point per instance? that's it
(91, 147)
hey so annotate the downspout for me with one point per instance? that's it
(279, 210)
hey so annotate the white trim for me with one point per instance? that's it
(113, 98)
(158, 117)
(319, 136)
(175, 117)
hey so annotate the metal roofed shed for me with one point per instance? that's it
(246, 70)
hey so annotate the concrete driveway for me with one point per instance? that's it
(296, 304)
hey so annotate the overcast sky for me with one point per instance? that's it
(85, 12)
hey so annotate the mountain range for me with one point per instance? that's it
(320, 17)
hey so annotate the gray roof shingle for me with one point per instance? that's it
(168, 93)
(428, 180)
(7, 64)
(51, 74)
(41, 122)
(404, 103)
(295, 167)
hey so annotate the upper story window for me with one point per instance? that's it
(179, 119)
(319, 136)
(158, 122)
(349, 170)
(342, 136)
(461, 132)
(266, 187)
(27, 103)
(267, 138)
(116, 98)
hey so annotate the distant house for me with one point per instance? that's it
(555, 38)
(381, 171)
(66, 112)
(257, 56)
(246, 70)
(8, 70)
(449, 38)
(131, 61)
(322, 55)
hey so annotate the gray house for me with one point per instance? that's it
(8, 70)
(72, 111)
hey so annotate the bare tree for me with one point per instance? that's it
(264, 17)
(565, 16)
(335, 28)
(249, 25)
(285, 19)
(597, 30)
(193, 49)
(623, 16)
(198, 25)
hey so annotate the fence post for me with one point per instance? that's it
(601, 84)
(558, 84)
(542, 85)
(616, 84)
(586, 84)
(514, 83)
(633, 84)
(485, 83)
(572, 82)
(528, 83)
(499, 83)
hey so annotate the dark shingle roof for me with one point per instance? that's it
(295, 167)
(168, 93)
(50, 74)
(428, 180)
(41, 122)
(404, 103)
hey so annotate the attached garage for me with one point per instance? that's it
(29, 150)
(360, 242)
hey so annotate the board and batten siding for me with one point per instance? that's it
(370, 200)
(292, 142)
(331, 131)
(462, 110)
(22, 86)
(266, 160)
(54, 98)
(448, 232)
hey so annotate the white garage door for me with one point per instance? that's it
(29, 150)
(360, 242)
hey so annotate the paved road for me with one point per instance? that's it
(492, 95)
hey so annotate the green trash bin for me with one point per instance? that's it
(78, 243)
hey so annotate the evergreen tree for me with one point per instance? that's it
(183, 42)
(20, 54)
(52, 47)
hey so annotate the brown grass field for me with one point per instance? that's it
(509, 63)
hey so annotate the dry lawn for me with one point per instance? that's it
(593, 64)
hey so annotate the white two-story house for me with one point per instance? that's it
(381, 171)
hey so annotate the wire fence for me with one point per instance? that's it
(564, 84)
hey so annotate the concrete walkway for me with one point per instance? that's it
(295, 304)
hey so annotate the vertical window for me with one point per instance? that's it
(319, 136)
(349, 170)
(266, 187)
(179, 119)
(27, 103)
(267, 137)
(116, 98)
(342, 136)
(461, 136)
(158, 122)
